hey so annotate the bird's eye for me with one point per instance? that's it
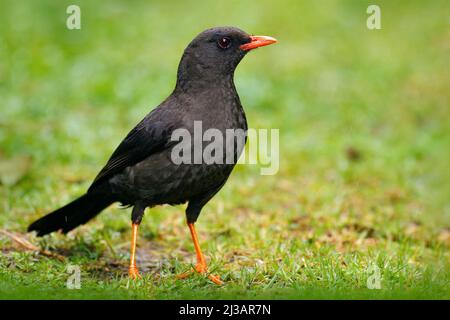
(224, 42)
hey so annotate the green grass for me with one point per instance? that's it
(364, 134)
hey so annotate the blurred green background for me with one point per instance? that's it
(364, 135)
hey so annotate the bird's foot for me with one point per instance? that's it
(201, 268)
(133, 272)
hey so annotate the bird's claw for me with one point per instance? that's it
(133, 272)
(201, 268)
(215, 279)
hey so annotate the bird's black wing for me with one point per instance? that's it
(151, 135)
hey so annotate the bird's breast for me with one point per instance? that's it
(210, 121)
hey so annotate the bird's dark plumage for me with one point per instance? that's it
(140, 172)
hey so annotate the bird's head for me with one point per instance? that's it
(216, 52)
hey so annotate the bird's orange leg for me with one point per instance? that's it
(201, 266)
(132, 269)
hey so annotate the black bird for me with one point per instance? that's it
(142, 173)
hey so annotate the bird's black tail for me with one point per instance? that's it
(73, 214)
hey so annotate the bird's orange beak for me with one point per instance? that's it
(257, 41)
